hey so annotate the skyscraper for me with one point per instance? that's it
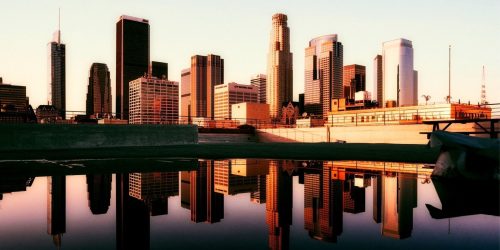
(354, 79)
(279, 87)
(159, 70)
(186, 95)
(154, 101)
(229, 94)
(132, 58)
(378, 86)
(99, 192)
(206, 72)
(57, 74)
(323, 74)
(260, 82)
(99, 90)
(398, 73)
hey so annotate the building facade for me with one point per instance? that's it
(99, 91)
(12, 97)
(206, 73)
(279, 87)
(232, 93)
(185, 96)
(260, 82)
(378, 86)
(132, 58)
(399, 85)
(354, 78)
(154, 101)
(57, 74)
(323, 74)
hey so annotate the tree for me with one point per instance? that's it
(427, 98)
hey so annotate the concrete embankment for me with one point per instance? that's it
(395, 134)
(28, 137)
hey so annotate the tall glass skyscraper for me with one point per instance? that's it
(57, 74)
(206, 73)
(323, 74)
(132, 58)
(398, 74)
(279, 66)
(99, 90)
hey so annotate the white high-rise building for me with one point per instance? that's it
(398, 74)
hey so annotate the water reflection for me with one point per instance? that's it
(333, 191)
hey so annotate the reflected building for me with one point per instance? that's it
(205, 204)
(399, 197)
(56, 208)
(258, 196)
(132, 217)
(323, 202)
(154, 189)
(9, 184)
(354, 197)
(99, 192)
(377, 199)
(229, 184)
(279, 195)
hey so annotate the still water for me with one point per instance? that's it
(247, 204)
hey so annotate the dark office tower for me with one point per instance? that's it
(56, 208)
(279, 87)
(132, 218)
(205, 203)
(323, 201)
(279, 195)
(185, 189)
(323, 74)
(185, 96)
(377, 199)
(159, 70)
(99, 91)
(260, 82)
(399, 197)
(378, 84)
(132, 58)
(57, 74)
(206, 72)
(354, 197)
(354, 80)
(99, 192)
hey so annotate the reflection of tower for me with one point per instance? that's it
(399, 197)
(230, 184)
(377, 199)
(185, 189)
(132, 218)
(279, 205)
(154, 189)
(205, 204)
(354, 197)
(99, 192)
(259, 195)
(323, 202)
(9, 184)
(56, 207)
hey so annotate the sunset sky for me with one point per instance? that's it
(239, 32)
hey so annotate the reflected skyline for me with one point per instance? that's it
(333, 192)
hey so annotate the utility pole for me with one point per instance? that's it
(449, 74)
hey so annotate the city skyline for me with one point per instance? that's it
(245, 53)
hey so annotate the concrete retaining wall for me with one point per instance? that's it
(396, 134)
(54, 136)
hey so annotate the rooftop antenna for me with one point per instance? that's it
(449, 74)
(483, 89)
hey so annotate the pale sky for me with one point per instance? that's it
(239, 32)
